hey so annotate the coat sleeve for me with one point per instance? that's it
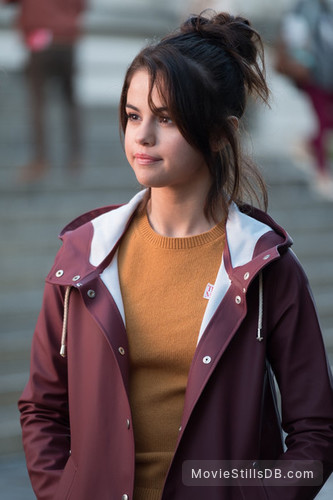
(44, 403)
(298, 359)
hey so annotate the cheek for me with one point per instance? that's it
(178, 145)
(186, 151)
(127, 142)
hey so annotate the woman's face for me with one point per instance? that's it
(156, 150)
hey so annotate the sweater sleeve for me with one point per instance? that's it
(44, 403)
(297, 355)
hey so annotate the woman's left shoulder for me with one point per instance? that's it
(288, 267)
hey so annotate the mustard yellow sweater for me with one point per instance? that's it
(165, 284)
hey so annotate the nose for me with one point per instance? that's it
(145, 135)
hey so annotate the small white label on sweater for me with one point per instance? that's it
(208, 292)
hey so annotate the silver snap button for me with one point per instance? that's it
(180, 429)
(246, 276)
(238, 299)
(207, 360)
(76, 278)
(91, 294)
(128, 423)
(266, 257)
(125, 497)
(59, 273)
(121, 350)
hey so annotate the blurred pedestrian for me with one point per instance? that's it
(49, 30)
(163, 318)
(305, 55)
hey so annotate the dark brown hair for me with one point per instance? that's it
(204, 73)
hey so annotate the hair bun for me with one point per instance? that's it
(232, 33)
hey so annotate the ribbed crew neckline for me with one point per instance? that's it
(144, 228)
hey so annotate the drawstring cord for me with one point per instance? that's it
(64, 322)
(260, 312)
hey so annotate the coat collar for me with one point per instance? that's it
(244, 228)
(90, 241)
(253, 239)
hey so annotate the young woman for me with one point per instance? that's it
(169, 312)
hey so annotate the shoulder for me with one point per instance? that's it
(74, 256)
(86, 218)
(287, 292)
(90, 238)
(287, 270)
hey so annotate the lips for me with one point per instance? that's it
(144, 159)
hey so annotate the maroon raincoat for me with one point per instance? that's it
(75, 413)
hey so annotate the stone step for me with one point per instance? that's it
(19, 322)
(328, 340)
(305, 220)
(11, 386)
(56, 193)
(10, 430)
(289, 196)
(309, 246)
(15, 344)
(319, 272)
(301, 195)
(19, 304)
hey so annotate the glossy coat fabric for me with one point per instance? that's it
(75, 413)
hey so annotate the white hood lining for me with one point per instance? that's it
(243, 233)
(109, 227)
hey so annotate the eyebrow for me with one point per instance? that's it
(162, 109)
(132, 107)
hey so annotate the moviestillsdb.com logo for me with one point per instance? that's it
(252, 473)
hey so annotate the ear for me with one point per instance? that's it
(234, 122)
(218, 144)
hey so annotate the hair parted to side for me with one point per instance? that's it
(204, 73)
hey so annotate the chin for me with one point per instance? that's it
(149, 183)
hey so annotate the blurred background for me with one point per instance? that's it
(62, 156)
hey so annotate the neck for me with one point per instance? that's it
(177, 217)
